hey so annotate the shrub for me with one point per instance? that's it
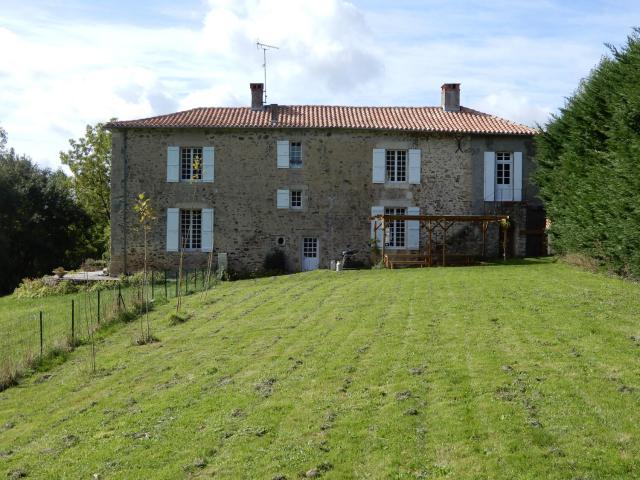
(43, 287)
(275, 261)
(176, 319)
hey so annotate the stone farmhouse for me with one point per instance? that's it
(242, 182)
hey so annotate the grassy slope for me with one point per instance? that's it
(521, 371)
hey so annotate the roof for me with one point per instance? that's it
(409, 119)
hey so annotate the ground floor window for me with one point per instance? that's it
(191, 229)
(396, 229)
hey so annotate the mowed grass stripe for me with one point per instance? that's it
(159, 407)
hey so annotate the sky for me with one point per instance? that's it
(66, 64)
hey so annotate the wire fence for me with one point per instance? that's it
(59, 324)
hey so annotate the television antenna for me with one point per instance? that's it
(264, 48)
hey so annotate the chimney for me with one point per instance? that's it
(451, 97)
(257, 91)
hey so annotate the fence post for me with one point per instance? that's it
(41, 339)
(176, 284)
(152, 279)
(165, 285)
(98, 307)
(119, 296)
(73, 321)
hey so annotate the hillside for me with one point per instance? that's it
(528, 370)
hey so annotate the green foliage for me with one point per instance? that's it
(176, 319)
(41, 223)
(275, 262)
(90, 162)
(588, 164)
(43, 287)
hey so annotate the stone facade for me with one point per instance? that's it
(336, 180)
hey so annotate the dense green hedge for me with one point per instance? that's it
(589, 164)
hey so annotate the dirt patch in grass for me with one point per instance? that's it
(265, 387)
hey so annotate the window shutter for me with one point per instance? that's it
(282, 198)
(378, 234)
(517, 176)
(415, 159)
(207, 229)
(283, 153)
(208, 162)
(378, 165)
(489, 176)
(413, 229)
(173, 164)
(173, 229)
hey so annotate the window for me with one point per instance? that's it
(396, 230)
(295, 199)
(191, 163)
(310, 247)
(503, 168)
(396, 165)
(295, 154)
(191, 229)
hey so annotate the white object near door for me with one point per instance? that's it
(310, 254)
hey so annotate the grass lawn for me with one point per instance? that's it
(528, 370)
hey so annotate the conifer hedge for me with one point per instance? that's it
(588, 160)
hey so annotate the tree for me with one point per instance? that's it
(41, 224)
(90, 162)
(588, 163)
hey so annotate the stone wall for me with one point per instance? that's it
(336, 178)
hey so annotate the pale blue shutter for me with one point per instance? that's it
(283, 153)
(208, 162)
(517, 176)
(377, 234)
(207, 229)
(282, 198)
(413, 229)
(378, 165)
(173, 229)
(173, 164)
(489, 176)
(415, 159)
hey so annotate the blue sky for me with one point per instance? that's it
(69, 63)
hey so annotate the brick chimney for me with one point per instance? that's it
(451, 97)
(257, 96)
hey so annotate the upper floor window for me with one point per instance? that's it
(191, 229)
(190, 163)
(503, 168)
(295, 154)
(295, 198)
(396, 165)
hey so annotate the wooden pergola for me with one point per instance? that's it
(433, 222)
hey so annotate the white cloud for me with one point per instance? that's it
(58, 74)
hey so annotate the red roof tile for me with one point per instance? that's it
(414, 119)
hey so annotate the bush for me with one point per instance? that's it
(275, 262)
(43, 287)
(176, 319)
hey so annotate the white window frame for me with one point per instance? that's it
(295, 199)
(295, 155)
(396, 229)
(187, 157)
(396, 166)
(504, 177)
(190, 229)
